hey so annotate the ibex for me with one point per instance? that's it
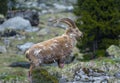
(55, 49)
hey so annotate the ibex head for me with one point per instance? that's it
(73, 29)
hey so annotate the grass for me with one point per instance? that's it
(9, 74)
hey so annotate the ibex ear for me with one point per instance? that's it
(69, 30)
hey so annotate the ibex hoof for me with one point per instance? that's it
(61, 65)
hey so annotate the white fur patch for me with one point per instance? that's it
(55, 40)
(54, 45)
(41, 45)
(36, 52)
(50, 48)
(66, 45)
(44, 48)
(27, 52)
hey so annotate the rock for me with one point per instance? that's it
(34, 29)
(90, 75)
(117, 75)
(63, 7)
(16, 23)
(20, 64)
(44, 11)
(25, 46)
(8, 33)
(3, 49)
(32, 16)
(55, 5)
(43, 5)
(113, 51)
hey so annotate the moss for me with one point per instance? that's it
(40, 75)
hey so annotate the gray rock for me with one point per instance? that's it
(44, 11)
(43, 5)
(113, 51)
(87, 75)
(16, 23)
(27, 4)
(58, 6)
(20, 64)
(8, 32)
(25, 46)
(34, 29)
(117, 75)
(63, 7)
(30, 15)
(3, 49)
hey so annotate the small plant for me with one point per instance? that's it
(42, 76)
(100, 53)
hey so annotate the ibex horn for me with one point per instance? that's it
(68, 21)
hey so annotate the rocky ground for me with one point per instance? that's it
(19, 32)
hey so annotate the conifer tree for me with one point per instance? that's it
(3, 7)
(100, 22)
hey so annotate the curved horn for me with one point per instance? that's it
(68, 21)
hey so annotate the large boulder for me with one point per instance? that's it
(32, 16)
(20, 64)
(113, 51)
(25, 46)
(16, 23)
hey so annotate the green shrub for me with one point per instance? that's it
(100, 53)
(40, 75)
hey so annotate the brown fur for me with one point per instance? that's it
(55, 49)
